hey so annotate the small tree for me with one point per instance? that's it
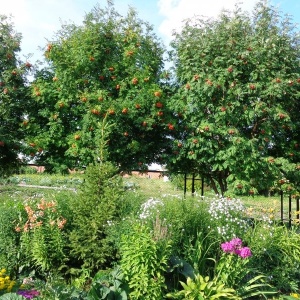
(239, 82)
(95, 209)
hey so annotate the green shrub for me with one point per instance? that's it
(27, 170)
(93, 211)
(9, 240)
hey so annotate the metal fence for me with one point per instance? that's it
(293, 208)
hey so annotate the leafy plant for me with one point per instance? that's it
(144, 259)
(9, 239)
(203, 289)
(233, 270)
(276, 253)
(198, 251)
(111, 286)
(235, 136)
(43, 243)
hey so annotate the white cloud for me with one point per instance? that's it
(38, 20)
(175, 11)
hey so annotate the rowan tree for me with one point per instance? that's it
(14, 96)
(111, 66)
(239, 83)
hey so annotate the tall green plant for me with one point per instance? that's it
(93, 211)
(144, 257)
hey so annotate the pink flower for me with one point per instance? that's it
(235, 246)
(227, 247)
(244, 252)
(236, 243)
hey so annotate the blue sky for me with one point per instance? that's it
(38, 20)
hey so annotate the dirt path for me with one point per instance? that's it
(46, 187)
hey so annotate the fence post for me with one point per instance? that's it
(193, 184)
(184, 189)
(281, 206)
(297, 209)
(290, 210)
(202, 186)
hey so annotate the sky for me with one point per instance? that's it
(38, 20)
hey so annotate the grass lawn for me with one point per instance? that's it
(148, 187)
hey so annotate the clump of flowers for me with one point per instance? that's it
(228, 216)
(43, 212)
(41, 234)
(235, 246)
(150, 207)
(28, 294)
(6, 284)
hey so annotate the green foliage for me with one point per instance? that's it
(227, 217)
(108, 67)
(27, 170)
(144, 258)
(14, 98)
(235, 272)
(238, 81)
(276, 254)
(9, 239)
(11, 296)
(199, 251)
(203, 289)
(42, 235)
(93, 210)
(184, 218)
(108, 287)
(55, 291)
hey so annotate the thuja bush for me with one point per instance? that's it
(95, 208)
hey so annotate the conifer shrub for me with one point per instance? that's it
(94, 210)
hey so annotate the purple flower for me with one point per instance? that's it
(227, 247)
(235, 246)
(244, 252)
(236, 243)
(28, 294)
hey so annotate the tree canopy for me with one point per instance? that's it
(229, 114)
(239, 83)
(109, 67)
(13, 96)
